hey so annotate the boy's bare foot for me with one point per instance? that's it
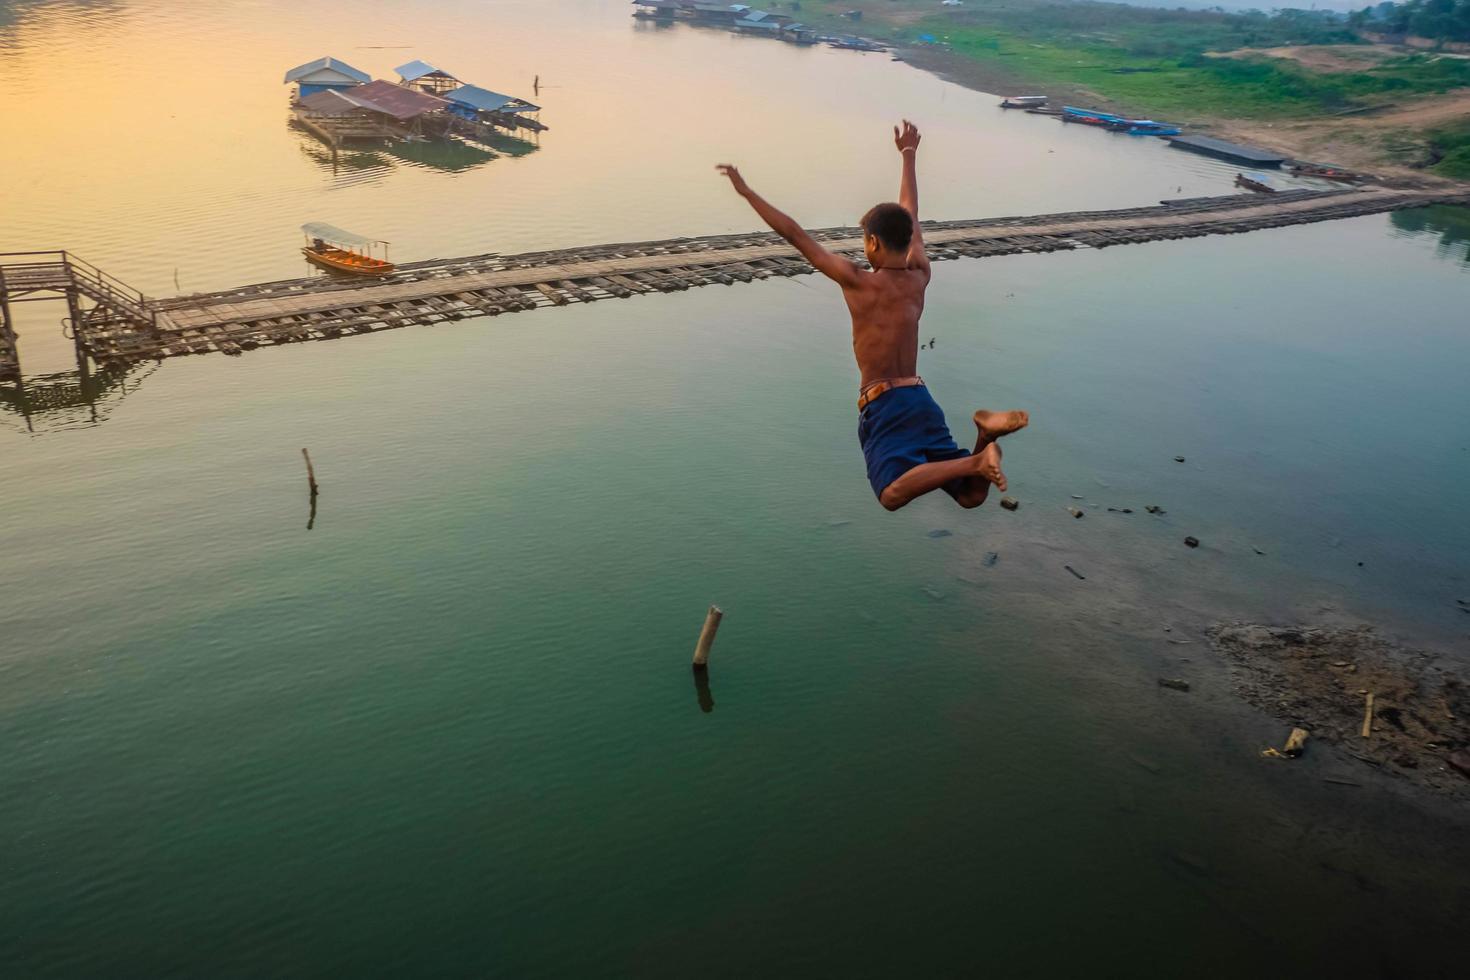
(989, 466)
(993, 425)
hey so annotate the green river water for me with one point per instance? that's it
(451, 729)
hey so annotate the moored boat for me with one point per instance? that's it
(342, 251)
(1089, 117)
(1145, 127)
(1254, 182)
(1024, 102)
(1328, 171)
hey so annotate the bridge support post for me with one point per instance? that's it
(74, 306)
(9, 343)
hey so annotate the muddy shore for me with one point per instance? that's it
(1360, 143)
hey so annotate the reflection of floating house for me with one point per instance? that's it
(425, 77)
(325, 74)
(377, 110)
(479, 105)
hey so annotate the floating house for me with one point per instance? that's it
(426, 78)
(761, 22)
(719, 13)
(1234, 152)
(665, 9)
(377, 110)
(325, 74)
(479, 105)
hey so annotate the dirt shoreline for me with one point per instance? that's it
(1373, 142)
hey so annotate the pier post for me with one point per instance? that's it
(9, 343)
(707, 637)
(74, 307)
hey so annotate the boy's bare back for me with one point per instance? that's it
(885, 306)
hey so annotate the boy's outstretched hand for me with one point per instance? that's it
(906, 138)
(736, 181)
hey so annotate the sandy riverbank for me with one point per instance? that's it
(1379, 142)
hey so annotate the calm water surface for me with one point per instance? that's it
(451, 729)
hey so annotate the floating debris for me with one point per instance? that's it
(1154, 509)
(1010, 503)
(1174, 683)
(991, 557)
(1192, 541)
(1178, 459)
(940, 532)
(1075, 512)
(1075, 572)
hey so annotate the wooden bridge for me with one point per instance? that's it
(121, 326)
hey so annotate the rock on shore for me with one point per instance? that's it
(1319, 678)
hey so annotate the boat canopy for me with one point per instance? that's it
(335, 235)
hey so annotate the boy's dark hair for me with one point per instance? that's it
(892, 225)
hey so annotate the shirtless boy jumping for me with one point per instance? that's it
(905, 440)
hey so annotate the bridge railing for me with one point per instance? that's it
(31, 269)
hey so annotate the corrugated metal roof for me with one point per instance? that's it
(328, 65)
(392, 100)
(415, 70)
(487, 101)
(329, 103)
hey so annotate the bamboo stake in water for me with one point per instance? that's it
(707, 637)
(310, 473)
(1368, 716)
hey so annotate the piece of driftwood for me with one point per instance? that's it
(707, 637)
(310, 473)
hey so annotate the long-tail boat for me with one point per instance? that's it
(342, 251)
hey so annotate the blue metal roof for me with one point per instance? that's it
(415, 70)
(487, 101)
(327, 64)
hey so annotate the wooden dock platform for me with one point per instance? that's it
(318, 308)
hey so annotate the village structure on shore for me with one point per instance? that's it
(744, 19)
(339, 104)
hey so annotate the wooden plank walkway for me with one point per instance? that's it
(318, 308)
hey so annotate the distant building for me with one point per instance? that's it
(761, 22)
(325, 74)
(657, 8)
(425, 77)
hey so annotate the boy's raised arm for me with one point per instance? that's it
(907, 141)
(834, 267)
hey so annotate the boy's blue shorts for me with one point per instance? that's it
(900, 429)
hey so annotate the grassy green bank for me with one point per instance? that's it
(1171, 63)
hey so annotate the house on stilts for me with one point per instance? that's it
(426, 78)
(324, 75)
(471, 106)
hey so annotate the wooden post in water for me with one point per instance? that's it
(74, 306)
(1368, 715)
(310, 473)
(707, 637)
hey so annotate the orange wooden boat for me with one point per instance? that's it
(342, 251)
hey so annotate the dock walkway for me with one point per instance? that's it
(319, 308)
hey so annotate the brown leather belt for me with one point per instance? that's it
(873, 389)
